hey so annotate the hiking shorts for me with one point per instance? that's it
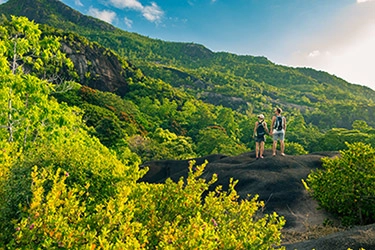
(260, 138)
(278, 135)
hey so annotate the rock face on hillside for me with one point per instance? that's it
(98, 68)
(277, 180)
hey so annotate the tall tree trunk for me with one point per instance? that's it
(10, 107)
(10, 125)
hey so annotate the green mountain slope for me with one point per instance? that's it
(53, 12)
(186, 56)
(164, 80)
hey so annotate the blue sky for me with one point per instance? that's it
(336, 36)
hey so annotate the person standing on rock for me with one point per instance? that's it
(278, 127)
(260, 130)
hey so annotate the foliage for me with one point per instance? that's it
(293, 148)
(167, 145)
(345, 184)
(61, 188)
(218, 223)
(323, 99)
(90, 165)
(338, 137)
(26, 48)
(60, 217)
(170, 81)
(214, 140)
(143, 216)
(24, 97)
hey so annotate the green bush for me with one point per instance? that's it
(215, 140)
(294, 148)
(167, 145)
(345, 185)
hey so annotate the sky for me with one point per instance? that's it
(336, 36)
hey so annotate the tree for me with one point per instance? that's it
(167, 145)
(361, 126)
(214, 140)
(28, 116)
(226, 119)
(307, 136)
(293, 148)
(24, 95)
(336, 138)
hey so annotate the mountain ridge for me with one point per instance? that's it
(57, 14)
(217, 77)
(46, 11)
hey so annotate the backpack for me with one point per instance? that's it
(279, 123)
(260, 129)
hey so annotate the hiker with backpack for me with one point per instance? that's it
(278, 127)
(260, 130)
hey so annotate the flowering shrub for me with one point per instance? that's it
(143, 216)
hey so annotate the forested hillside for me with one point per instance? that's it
(61, 188)
(82, 107)
(256, 83)
(179, 100)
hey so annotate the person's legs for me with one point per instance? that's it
(282, 144)
(275, 137)
(261, 149)
(274, 144)
(256, 149)
(282, 147)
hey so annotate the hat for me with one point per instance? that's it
(261, 116)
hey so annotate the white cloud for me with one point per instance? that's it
(364, 1)
(152, 13)
(105, 15)
(318, 53)
(3, 1)
(128, 22)
(314, 53)
(131, 4)
(345, 47)
(78, 3)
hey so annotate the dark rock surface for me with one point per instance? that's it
(277, 180)
(98, 68)
(357, 238)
